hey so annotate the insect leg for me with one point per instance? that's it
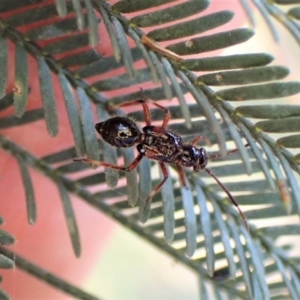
(97, 163)
(145, 109)
(229, 152)
(157, 188)
(147, 112)
(196, 140)
(181, 174)
(167, 112)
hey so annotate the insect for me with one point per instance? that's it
(157, 143)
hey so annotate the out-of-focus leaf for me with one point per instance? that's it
(203, 103)
(7, 5)
(177, 88)
(203, 294)
(168, 209)
(53, 30)
(268, 111)
(6, 101)
(74, 118)
(4, 66)
(290, 124)
(190, 220)
(258, 92)
(225, 238)
(249, 11)
(6, 263)
(162, 75)
(126, 6)
(49, 105)
(28, 117)
(236, 136)
(131, 178)
(257, 153)
(145, 188)
(242, 257)
(88, 127)
(293, 183)
(294, 13)
(281, 181)
(6, 238)
(21, 80)
(29, 192)
(67, 44)
(195, 26)
(212, 42)
(243, 77)
(61, 7)
(78, 59)
(170, 14)
(92, 23)
(110, 30)
(206, 227)
(264, 11)
(40, 13)
(71, 219)
(123, 44)
(285, 277)
(79, 14)
(229, 62)
(122, 81)
(292, 141)
(258, 266)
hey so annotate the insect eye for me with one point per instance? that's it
(203, 157)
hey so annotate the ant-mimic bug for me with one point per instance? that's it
(157, 143)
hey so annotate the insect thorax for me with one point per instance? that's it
(160, 144)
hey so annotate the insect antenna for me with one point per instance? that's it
(214, 156)
(228, 194)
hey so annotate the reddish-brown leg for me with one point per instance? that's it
(147, 111)
(106, 165)
(199, 138)
(157, 188)
(229, 152)
(167, 113)
(181, 174)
